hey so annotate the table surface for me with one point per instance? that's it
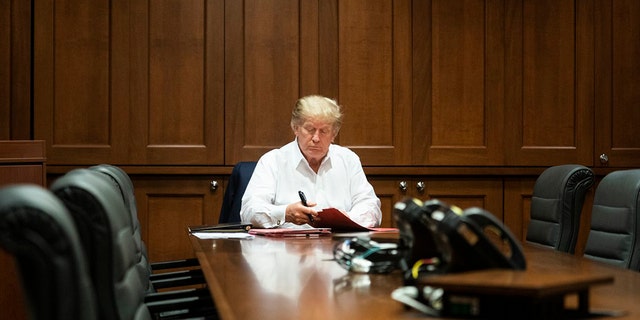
(296, 278)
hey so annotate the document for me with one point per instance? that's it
(338, 222)
(223, 235)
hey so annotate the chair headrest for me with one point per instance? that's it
(36, 227)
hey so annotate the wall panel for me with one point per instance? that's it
(5, 70)
(374, 79)
(15, 70)
(549, 68)
(176, 72)
(458, 82)
(130, 82)
(73, 77)
(263, 65)
(617, 83)
(167, 206)
(468, 192)
(81, 73)
(177, 86)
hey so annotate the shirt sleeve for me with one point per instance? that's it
(257, 201)
(365, 208)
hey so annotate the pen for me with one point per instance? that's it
(303, 199)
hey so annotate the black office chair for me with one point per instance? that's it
(100, 214)
(157, 280)
(38, 230)
(614, 237)
(556, 206)
(232, 202)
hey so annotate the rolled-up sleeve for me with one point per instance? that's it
(258, 206)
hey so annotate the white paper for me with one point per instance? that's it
(223, 235)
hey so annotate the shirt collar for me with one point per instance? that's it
(300, 159)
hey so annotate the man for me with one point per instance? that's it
(327, 174)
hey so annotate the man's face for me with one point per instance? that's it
(314, 139)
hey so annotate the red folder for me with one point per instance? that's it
(337, 221)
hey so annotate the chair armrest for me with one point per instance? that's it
(183, 263)
(177, 294)
(185, 307)
(177, 278)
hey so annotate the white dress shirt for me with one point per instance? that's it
(280, 173)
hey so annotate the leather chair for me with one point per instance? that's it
(37, 229)
(556, 206)
(152, 281)
(614, 236)
(240, 176)
(99, 212)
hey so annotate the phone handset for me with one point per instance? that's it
(505, 254)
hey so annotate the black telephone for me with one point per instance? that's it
(438, 238)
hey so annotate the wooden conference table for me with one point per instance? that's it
(296, 278)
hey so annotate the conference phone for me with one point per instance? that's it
(434, 238)
(437, 238)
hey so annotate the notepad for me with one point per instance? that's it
(338, 222)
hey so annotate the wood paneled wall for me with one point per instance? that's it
(504, 83)
(15, 70)
(141, 82)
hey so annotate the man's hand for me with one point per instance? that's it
(299, 214)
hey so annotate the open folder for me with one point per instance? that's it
(222, 227)
(337, 221)
(291, 232)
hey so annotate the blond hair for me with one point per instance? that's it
(318, 108)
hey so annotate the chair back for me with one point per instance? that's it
(125, 186)
(97, 207)
(613, 237)
(556, 206)
(240, 176)
(37, 229)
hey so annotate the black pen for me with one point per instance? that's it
(303, 199)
